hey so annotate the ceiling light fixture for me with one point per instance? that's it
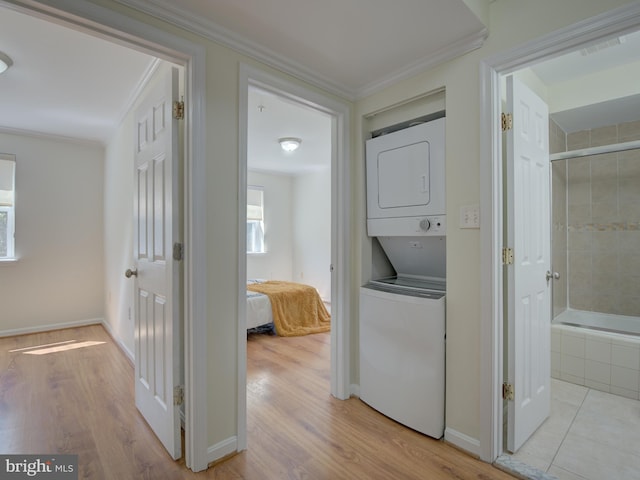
(289, 144)
(5, 62)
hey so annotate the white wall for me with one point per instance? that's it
(277, 263)
(312, 230)
(59, 277)
(118, 234)
(118, 225)
(620, 82)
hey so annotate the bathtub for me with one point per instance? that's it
(600, 321)
(590, 349)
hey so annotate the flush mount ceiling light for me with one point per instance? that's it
(5, 62)
(289, 144)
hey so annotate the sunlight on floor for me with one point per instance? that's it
(55, 347)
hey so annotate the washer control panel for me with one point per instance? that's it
(432, 225)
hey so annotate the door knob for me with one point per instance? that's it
(131, 273)
(554, 275)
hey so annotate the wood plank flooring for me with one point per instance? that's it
(81, 401)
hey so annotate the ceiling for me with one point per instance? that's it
(597, 57)
(64, 82)
(271, 118)
(348, 47)
(70, 84)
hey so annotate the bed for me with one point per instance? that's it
(293, 308)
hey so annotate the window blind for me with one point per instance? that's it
(7, 176)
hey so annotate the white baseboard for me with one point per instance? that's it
(130, 355)
(222, 449)
(463, 442)
(47, 328)
(354, 390)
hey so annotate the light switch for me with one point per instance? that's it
(470, 216)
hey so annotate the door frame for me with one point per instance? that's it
(116, 27)
(340, 221)
(617, 21)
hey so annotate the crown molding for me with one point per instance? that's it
(138, 90)
(171, 13)
(451, 51)
(618, 21)
(168, 11)
(85, 142)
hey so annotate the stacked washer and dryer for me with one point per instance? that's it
(402, 316)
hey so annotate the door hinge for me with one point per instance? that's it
(178, 395)
(178, 251)
(506, 121)
(507, 256)
(178, 110)
(508, 391)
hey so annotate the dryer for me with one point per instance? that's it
(405, 173)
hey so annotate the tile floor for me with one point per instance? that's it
(590, 435)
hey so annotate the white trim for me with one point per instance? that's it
(116, 27)
(341, 236)
(169, 11)
(49, 136)
(196, 285)
(130, 355)
(243, 127)
(463, 442)
(138, 90)
(222, 449)
(354, 390)
(48, 328)
(451, 51)
(615, 22)
(172, 13)
(491, 314)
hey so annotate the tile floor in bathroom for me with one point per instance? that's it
(590, 435)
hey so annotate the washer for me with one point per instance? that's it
(402, 352)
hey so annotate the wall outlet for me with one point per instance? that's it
(470, 216)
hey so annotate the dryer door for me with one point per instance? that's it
(403, 176)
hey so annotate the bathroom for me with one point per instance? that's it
(594, 426)
(596, 250)
(594, 145)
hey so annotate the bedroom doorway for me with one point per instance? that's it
(300, 208)
(114, 27)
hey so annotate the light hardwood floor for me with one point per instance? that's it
(80, 401)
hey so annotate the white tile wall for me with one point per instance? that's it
(597, 372)
(598, 350)
(602, 361)
(625, 356)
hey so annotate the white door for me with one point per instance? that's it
(529, 290)
(156, 215)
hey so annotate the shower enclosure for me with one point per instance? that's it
(596, 249)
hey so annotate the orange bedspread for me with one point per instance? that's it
(297, 308)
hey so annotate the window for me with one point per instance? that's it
(7, 205)
(255, 220)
